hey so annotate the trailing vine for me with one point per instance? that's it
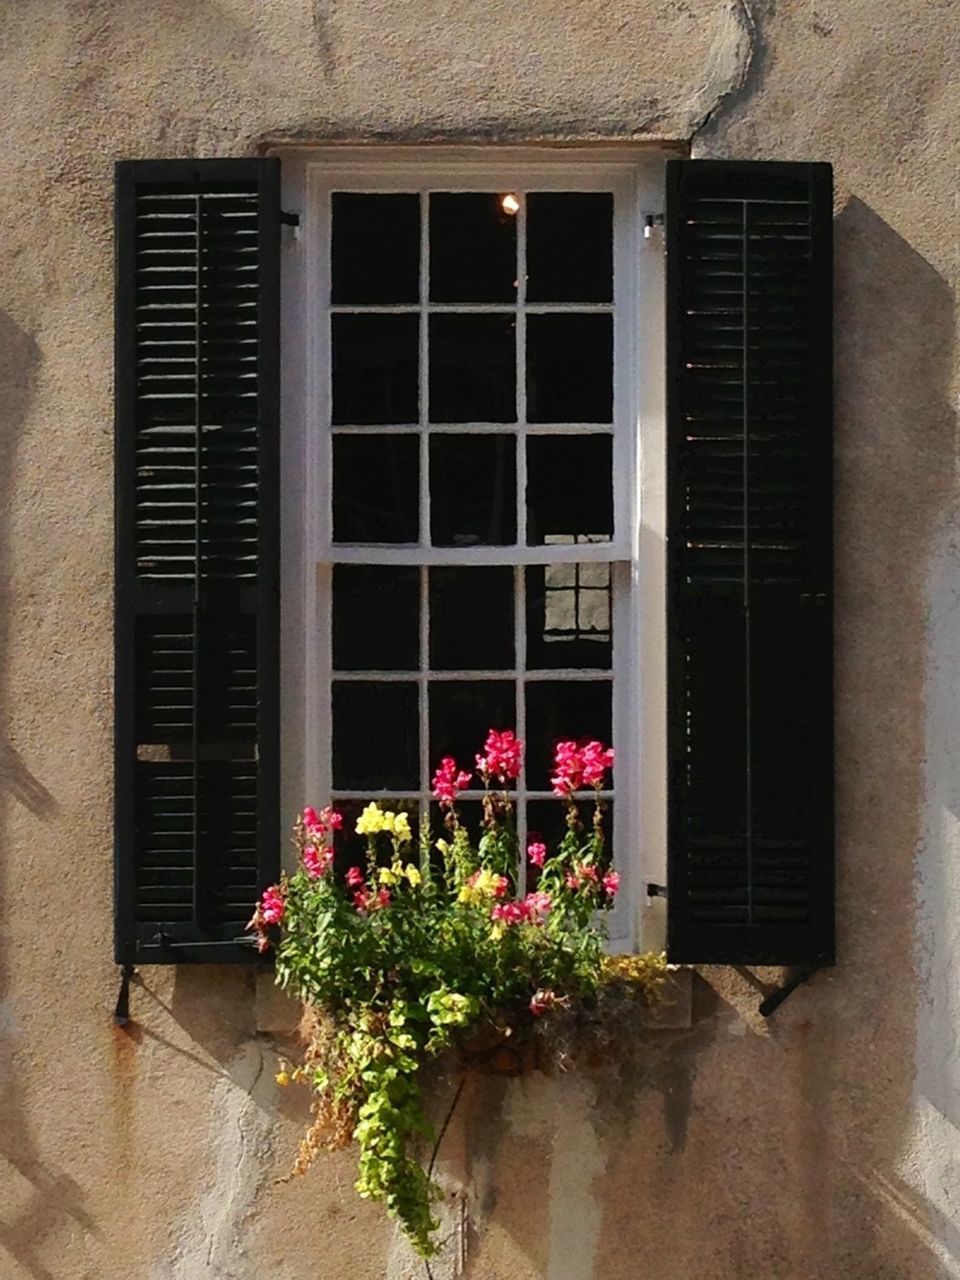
(416, 951)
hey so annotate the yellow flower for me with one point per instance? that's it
(413, 874)
(443, 846)
(371, 820)
(282, 1078)
(388, 876)
(401, 828)
(389, 820)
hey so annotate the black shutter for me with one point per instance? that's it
(749, 527)
(197, 554)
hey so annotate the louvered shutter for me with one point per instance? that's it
(197, 572)
(749, 338)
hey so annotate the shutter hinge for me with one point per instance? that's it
(797, 975)
(289, 219)
(650, 221)
(656, 890)
(121, 1014)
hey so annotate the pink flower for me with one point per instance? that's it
(611, 882)
(573, 880)
(595, 761)
(508, 912)
(320, 824)
(588, 871)
(361, 899)
(568, 769)
(536, 852)
(317, 862)
(383, 897)
(577, 767)
(448, 781)
(331, 818)
(272, 905)
(542, 1001)
(354, 877)
(538, 906)
(502, 756)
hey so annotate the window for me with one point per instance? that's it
(469, 391)
(475, 388)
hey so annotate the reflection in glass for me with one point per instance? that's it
(471, 619)
(376, 488)
(375, 369)
(472, 368)
(569, 488)
(376, 617)
(473, 248)
(376, 738)
(570, 368)
(375, 251)
(570, 246)
(473, 490)
(569, 615)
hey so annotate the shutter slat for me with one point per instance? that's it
(197, 554)
(749, 563)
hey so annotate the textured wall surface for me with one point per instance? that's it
(821, 1144)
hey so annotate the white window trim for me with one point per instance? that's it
(636, 175)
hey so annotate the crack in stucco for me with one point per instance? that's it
(210, 1243)
(728, 63)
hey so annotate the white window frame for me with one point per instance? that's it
(636, 176)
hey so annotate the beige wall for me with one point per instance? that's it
(821, 1144)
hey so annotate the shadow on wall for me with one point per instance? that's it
(788, 1149)
(40, 1198)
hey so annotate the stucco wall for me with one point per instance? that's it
(821, 1144)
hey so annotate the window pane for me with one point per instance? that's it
(461, 714)
(472, 368)
(375, 255)
(375, 362)
(350, 850)
(570, 246)
(570, 368)
(376, 738)
(569, 488)
(376, 488)
(473, 249)
(562, 709)
(376, 618)
(569, 616)
(473, 490)
(546, 822)
(471, 619)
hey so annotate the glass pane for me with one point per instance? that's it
(376, 736)
(473, 368)
(562, 709)
(569, 616)
(350, 850)
(462, 712)
(473, 490)
(473, 249)
(376, 618)
(546, 822)
(375, 254)
(570, 246)
(376, 488)
(569, 489)
(375, 362)
(570, 368)
(471, 619)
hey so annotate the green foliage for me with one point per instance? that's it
(413, 955)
